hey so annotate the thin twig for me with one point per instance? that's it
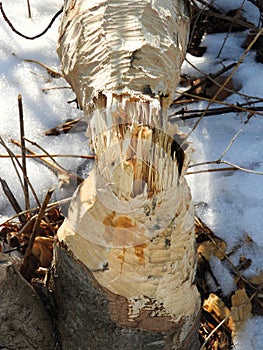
(230, 144)
(231, 19)
(231, 108)
(29, 9)
(203, 80)
(54, 167)
(227, 79)
(26, 261)
(240, 168)
(39, 218)
(209, 77)
(23, 151)
(220, 161)
(25, 36)
(55, 162)
(56, 88)
(14, 161)
(49, 156)
(49, 70)
(213, 170)
(12, 200)
(32, 210)
(230, 28)
(43, 150)
(67, 126)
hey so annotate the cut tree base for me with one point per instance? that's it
(84, 316)
(24, 321)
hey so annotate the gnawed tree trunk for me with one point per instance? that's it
(125, 258)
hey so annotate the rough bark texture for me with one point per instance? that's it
(24, 322)
(84, 318)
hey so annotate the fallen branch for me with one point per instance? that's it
(50, 71)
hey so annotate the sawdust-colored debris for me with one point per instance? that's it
(233, 311)
(208, 249)
(208, 243)
(217, 308)
(232, 320)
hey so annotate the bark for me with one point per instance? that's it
(24, 322)
(85, 317)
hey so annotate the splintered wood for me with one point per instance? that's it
(131, 222)
(134, 216)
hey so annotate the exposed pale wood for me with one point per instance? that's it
(126, 257)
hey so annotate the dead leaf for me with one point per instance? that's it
(208, 248)
(241, 310)
(43, 250)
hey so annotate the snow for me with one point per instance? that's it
(228, 202)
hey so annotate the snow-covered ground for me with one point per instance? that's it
(230, 203)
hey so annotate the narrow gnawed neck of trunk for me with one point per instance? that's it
(131, 135)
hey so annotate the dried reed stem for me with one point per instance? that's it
(29, 9)
(12, 200)
(23, 151)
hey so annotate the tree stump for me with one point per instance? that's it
(125, 260)
(24, 321)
